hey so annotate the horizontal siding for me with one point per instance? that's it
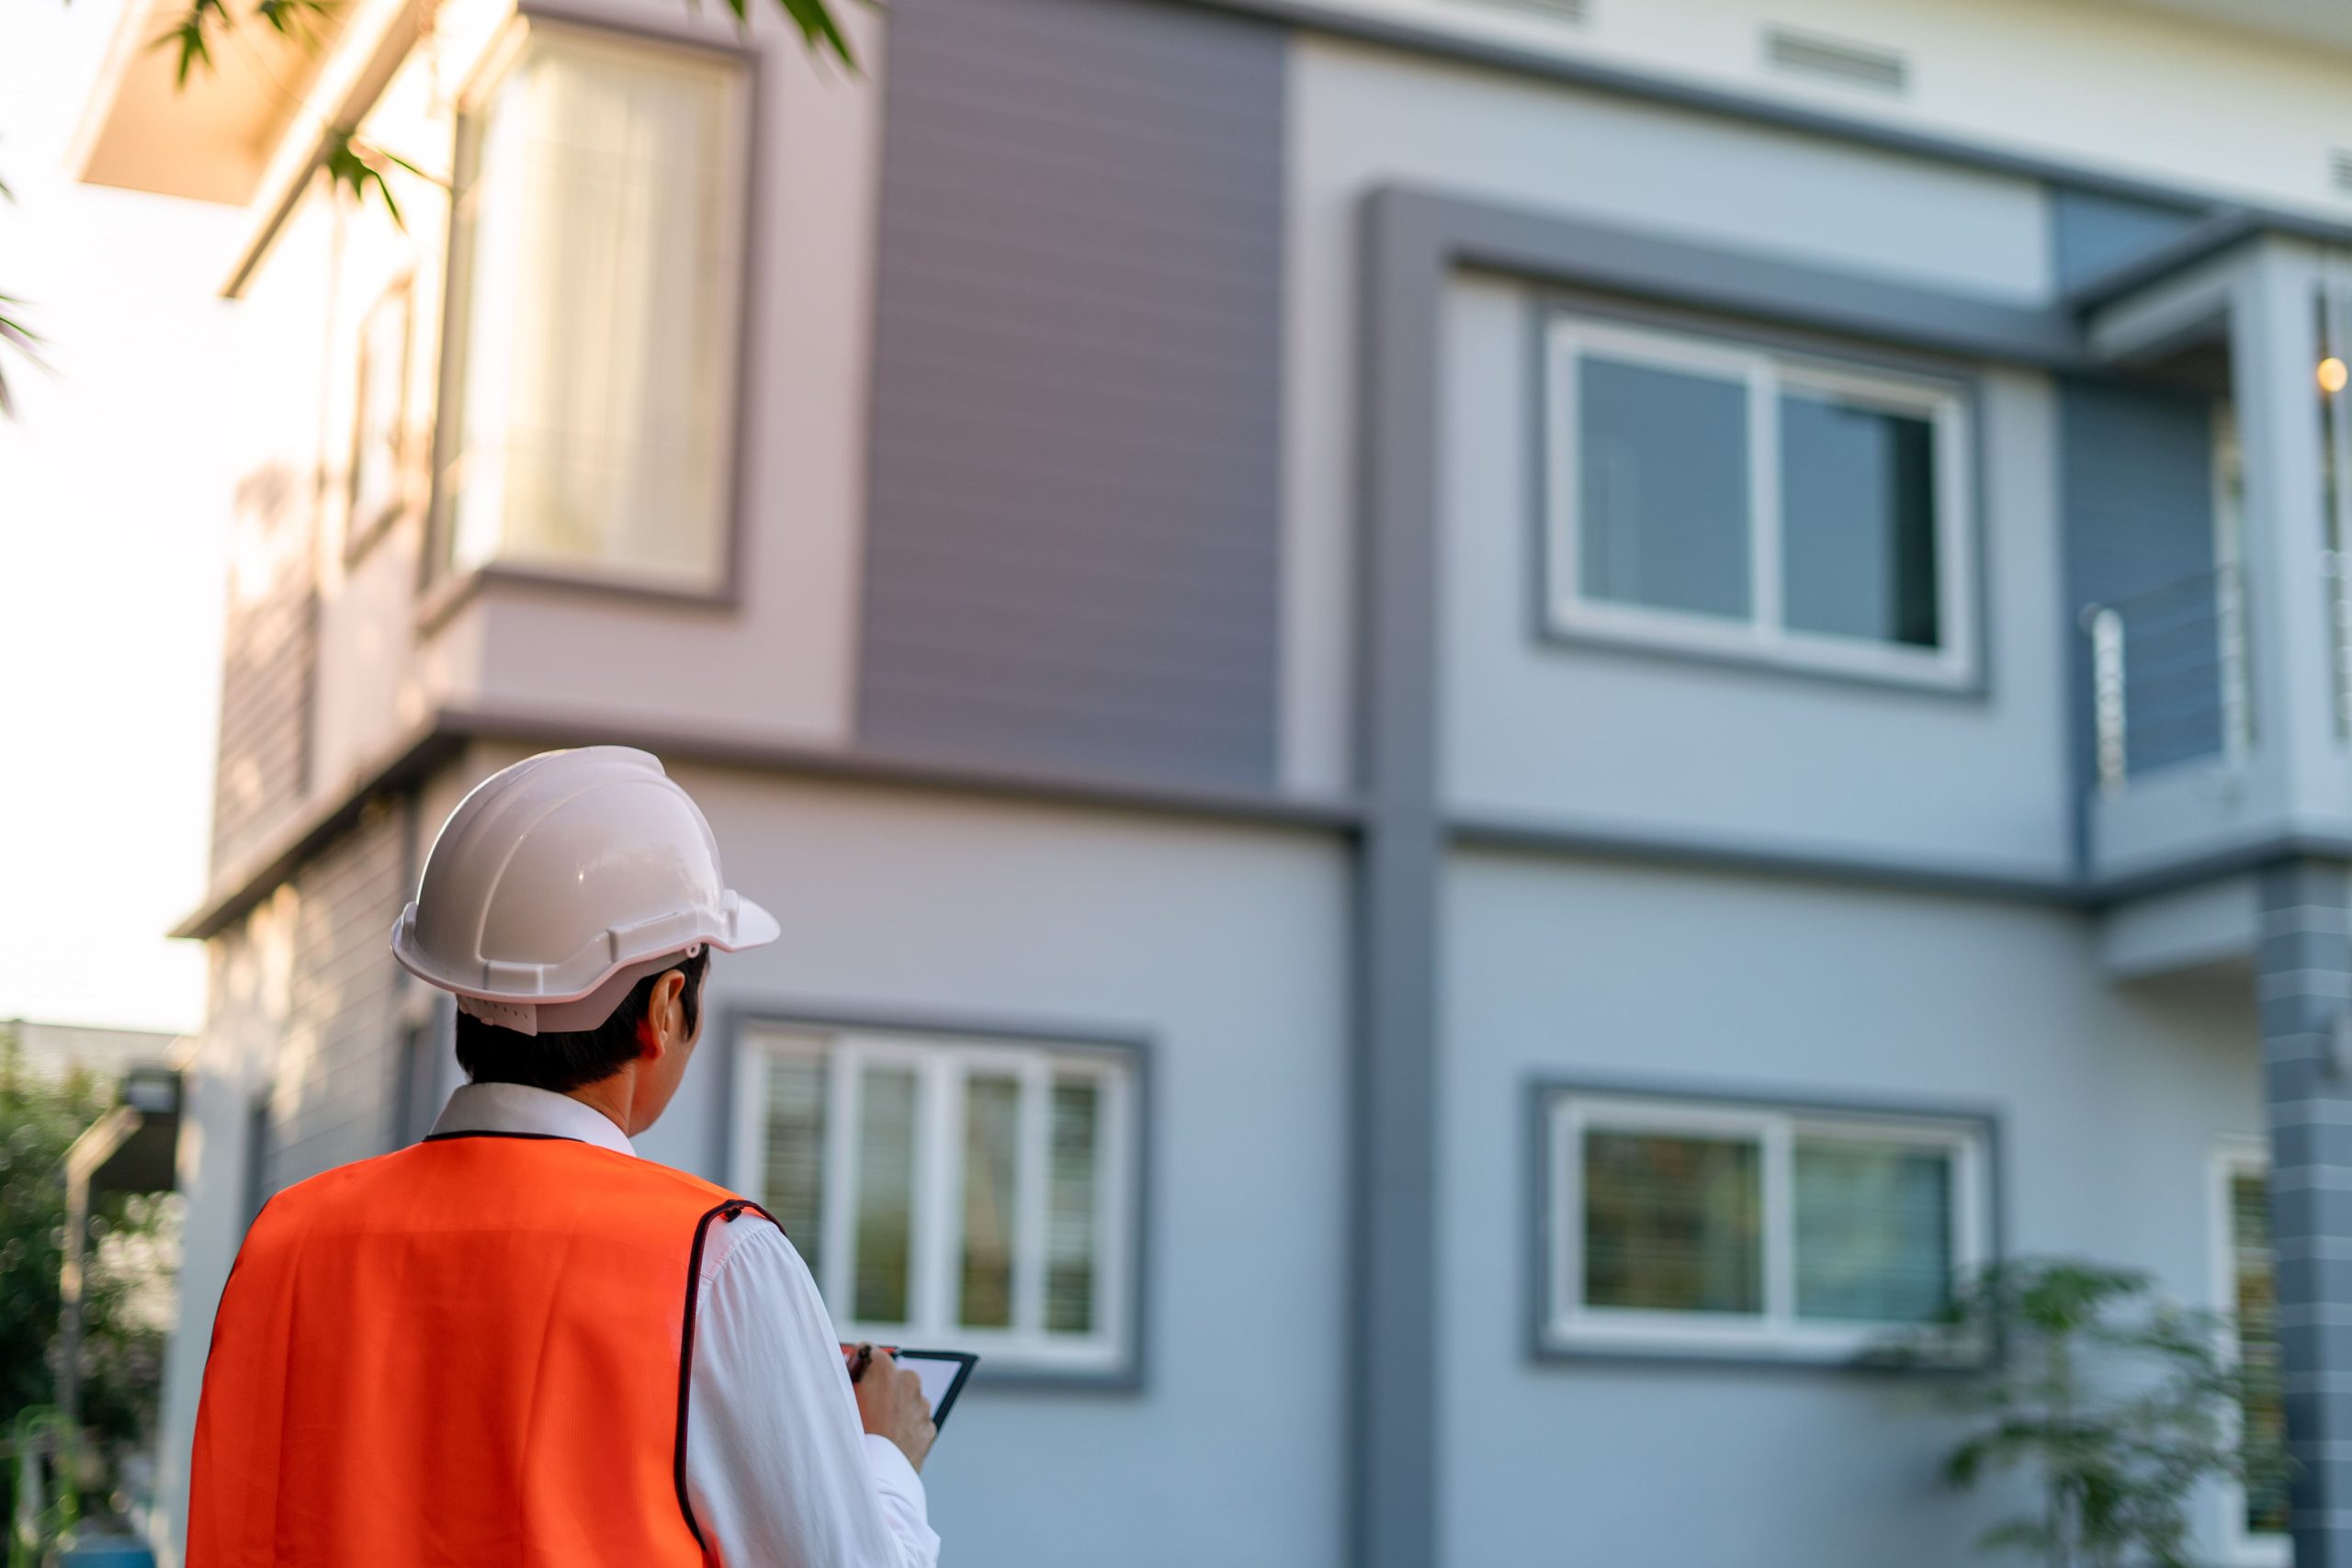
(1072, 546)
(269, 665)
(338, 1095)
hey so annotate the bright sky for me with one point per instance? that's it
(114, 495)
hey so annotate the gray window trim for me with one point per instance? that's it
(1555, 303)
(1544, 1090)
(1135, 1045)
(441, 593)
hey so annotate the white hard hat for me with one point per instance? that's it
(559, 883)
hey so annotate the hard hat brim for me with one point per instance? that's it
(737, 924)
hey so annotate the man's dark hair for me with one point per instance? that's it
(564, 1062)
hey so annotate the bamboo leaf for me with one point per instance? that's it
(295, 19)
(190, 36)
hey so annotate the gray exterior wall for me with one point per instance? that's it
(336, 1094)
(1071, 550)
(269, 664)
(2110, 1101)
(2304, 963)
(1535, 729)
(930, 907)
(2091, 231)
(1601, 739)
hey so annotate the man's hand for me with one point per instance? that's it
(890, 1402)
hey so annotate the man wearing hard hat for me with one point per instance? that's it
(516, 1343)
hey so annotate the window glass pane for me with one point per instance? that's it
(793, 1174)
(1873, 1230)
(2258, 1314)
(1858, 521)
(600, 234)
(886, 1170)
(1663, 501)
(1672, 1222)
(377, 436)
(1069, 1209)
(991, 1151)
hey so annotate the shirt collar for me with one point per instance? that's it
(518, 1108)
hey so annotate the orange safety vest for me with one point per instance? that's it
(471, 1352)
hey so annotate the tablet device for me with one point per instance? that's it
(943, 1374)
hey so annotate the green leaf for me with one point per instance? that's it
(295, 19)
(819, 30)
(20, 339)
(352, 165)
(190, 36)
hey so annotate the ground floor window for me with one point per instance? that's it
(1731, 1227)
(952, 1191)
(2245, 1292)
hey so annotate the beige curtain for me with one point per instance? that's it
(601, 274)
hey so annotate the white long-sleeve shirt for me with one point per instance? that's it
(779, 1468)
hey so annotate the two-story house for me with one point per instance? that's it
(1482, 726)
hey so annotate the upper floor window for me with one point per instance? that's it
(379, 446)
(960, 1193)
(1687, 1226)
(588, 426)
(1711, 497)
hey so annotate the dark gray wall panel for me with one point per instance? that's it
(334, 1094)
(2091, 231)
(2138, 497)
(268, 668)
(1072, 542)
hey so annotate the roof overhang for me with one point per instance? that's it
(209, 138)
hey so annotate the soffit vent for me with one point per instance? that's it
(2339, 170)
(1558, 10)
(1842, 61)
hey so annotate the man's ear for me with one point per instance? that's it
(666, 992)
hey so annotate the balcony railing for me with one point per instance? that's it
(2168, 675)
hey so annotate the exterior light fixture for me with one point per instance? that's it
(2333, 375)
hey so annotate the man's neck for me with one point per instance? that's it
(611, 1098)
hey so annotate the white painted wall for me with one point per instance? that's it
(2233, 110)
(2109, 1100)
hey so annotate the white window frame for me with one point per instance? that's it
(1569, 1324)
(2232, 1157)
(1762, 635)
(942, 1065)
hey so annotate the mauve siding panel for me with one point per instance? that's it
(1073, 544)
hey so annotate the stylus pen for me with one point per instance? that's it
(857, 1368)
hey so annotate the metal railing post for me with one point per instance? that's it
(2237, 681)
(2106, 697)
